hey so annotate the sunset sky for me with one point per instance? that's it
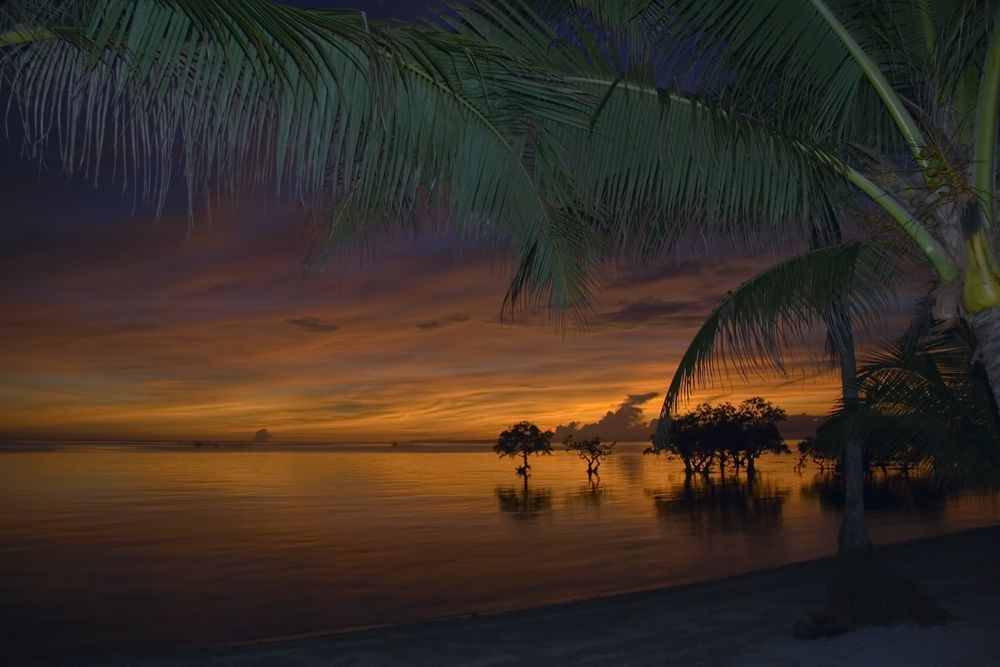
(114, 325)
(118, 326)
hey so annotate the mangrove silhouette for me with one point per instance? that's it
(722, 436)
(889, 493)
(708, 507)
(523, 439)
(808, 453)
(592, 452)
(826, 454)
(524, 502)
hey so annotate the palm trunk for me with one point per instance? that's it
(986, 326)
(863, 589)
(853, 536)
(853, 531)
(688, 467)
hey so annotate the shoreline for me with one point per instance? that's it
(739, 619)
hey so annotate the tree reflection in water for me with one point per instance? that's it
(884, 493)
(708, 507)
(592, 493)
(524, 502)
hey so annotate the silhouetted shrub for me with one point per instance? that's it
(592, 451)
(925, 405)
(726, 434)
(809, 449)
(758, 423)
(523, 439)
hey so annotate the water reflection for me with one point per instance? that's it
(707, 506)
(524, 502)
(592, 493)
(127, 547)
(884, 493)
(631, 467)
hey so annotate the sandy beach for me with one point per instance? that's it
(744, 620)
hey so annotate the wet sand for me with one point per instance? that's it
(742, 620)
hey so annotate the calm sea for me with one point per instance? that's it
(121, 548)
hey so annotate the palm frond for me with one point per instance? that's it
(215, 84)
(788, 61)
(556, 270)
(754, 325)
(923, 395)
(654, 162)
(365, 122)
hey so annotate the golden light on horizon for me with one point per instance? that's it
(139, 334)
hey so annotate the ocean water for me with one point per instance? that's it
(123, 548)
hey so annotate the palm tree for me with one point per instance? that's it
(774, 111)
(646, 171)
(888, 106)
(781, 307)
(747, 118)
(768, 118)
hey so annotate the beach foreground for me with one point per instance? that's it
(743, 620)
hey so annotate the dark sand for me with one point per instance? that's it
(743, 620)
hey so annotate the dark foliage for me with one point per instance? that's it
(726, 434)
(925, 404)
(592, 451)
(523, 439)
